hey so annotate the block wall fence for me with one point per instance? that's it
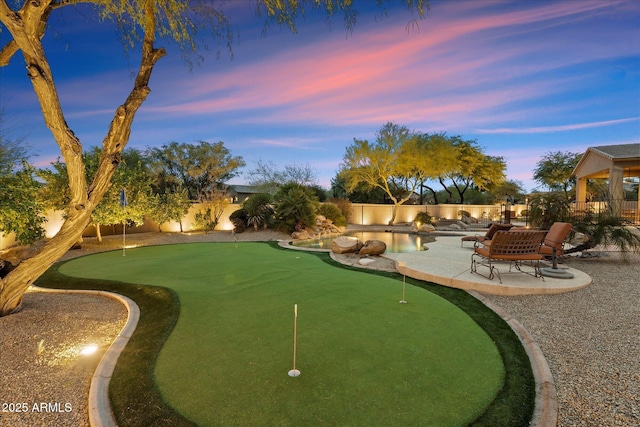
(361, 214)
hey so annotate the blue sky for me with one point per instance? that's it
(523, 78)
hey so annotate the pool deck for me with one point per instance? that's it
(448, 264)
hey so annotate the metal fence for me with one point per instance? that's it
(627, 209)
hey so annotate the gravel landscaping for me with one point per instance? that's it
(590, 338)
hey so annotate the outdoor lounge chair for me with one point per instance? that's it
(516, 247)
(488, 235)
(556, 237)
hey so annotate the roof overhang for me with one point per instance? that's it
(598, 161)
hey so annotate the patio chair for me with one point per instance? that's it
(488, 235)
(556, 237)
(516, 247)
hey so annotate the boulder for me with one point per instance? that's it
(426, 228)
(373, 247)
(301, 235)
(366, 261)
(345, 244)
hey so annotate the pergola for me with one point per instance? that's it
(612, 162)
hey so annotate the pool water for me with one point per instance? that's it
(396, 242)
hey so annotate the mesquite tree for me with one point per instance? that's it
(388, 163)
(27, 26)
(140, 23)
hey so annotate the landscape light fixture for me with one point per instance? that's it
(89, 350)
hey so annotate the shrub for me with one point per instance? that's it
(464, 214)
(545, 209)
(239, 220)
(295, 207)
(259, 210)
(424, 218)
(332, 212)
(606, 229)
(204, 220)
(344, 205)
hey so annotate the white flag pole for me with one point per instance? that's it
(124, 239)
(123, 203)
(404, 280)
(294, 372)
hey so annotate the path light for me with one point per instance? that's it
(89, 349)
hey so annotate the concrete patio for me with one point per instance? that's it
(448, 264)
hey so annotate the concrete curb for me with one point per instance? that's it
(100, 412)
(545, 412)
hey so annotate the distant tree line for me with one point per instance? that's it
(401, 163)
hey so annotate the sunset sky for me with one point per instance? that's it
(523, 78)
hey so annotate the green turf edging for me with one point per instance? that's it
(514, 404)
(134, 395)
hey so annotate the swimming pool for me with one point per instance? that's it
(397, 242)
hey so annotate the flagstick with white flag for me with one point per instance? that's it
(294, 372)
(402, 265)
(123, 203)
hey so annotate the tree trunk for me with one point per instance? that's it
(98, 233)
(14, 284)
(84, 198)
(393, 214)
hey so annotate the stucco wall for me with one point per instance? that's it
(361, 214)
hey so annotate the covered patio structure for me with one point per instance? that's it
(618, 164)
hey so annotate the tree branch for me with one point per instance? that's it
(7, 53)
(120, 128)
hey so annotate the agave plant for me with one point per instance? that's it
(259, 210)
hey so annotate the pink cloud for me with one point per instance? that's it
(336, 80)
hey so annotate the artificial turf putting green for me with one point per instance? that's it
(365, 358)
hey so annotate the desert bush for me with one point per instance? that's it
(239, 220)
(332, 212)
(464, 214)
(344, 205)
(295, 207)
(424, 218)
(547, 208)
